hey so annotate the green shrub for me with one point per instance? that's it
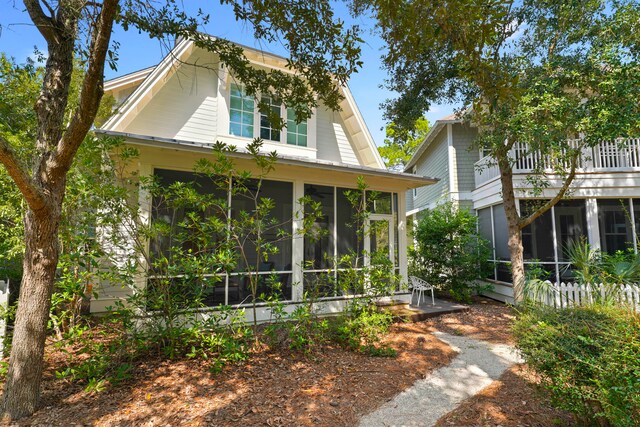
(361, 328)
(588, 359)
(449, 252)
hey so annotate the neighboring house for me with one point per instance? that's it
(174, 112)
(445, 153)
(603, 205)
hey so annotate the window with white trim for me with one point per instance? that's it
(241, 112)
(267, 130)
(415, 190)
(296, 131)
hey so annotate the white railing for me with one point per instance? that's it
(565, 295)
(618, 155)
(485, 170)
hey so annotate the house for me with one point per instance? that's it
(173, 113)
(603, 204)
(445, 154)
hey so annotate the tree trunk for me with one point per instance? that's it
(22, 388)
(514, 242)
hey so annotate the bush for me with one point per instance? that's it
(588, 359)
(449, 252)
(361, 328)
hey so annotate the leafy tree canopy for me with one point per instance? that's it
(400, 144)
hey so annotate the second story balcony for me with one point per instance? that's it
(621, 155)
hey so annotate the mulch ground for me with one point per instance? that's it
(331, 387)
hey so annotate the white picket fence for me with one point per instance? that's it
(4, 302)
(573, 294)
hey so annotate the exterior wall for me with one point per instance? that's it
(193, 105)
(466, 157)
(434, 162)
(184, 108)
(332, 142)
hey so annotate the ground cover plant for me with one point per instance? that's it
(588, 359)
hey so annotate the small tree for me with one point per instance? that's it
(400, 144)
(449, 253)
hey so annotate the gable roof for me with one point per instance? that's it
(431, 136)
(154, 78)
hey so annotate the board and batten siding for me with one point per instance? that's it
(466, 156)
(434, 162)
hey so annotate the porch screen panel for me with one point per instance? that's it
(571, 225)
(614, 218)
(348, 241)
(164, 211)
(319, 251)
(537, 238)
(279, 220)
(501, 234)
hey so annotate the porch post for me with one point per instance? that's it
(593, 225)
(297, 243)
(402, 236)
(145, 203)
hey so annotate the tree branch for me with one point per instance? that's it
(563, 190)
(92, 88)
(17, 172)
(44, 23)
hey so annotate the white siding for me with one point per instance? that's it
(332, 142)
(184, 108)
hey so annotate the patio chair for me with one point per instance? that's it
(419, 285)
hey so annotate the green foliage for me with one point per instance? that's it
(361, 329)
(588, 359)
(592, 266)
(449, 252)
(400, 145)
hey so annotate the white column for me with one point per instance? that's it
(593, 226)
(632, 214)
(402, 236)
(297, 243)
(453, 167)
(554, 233)
(145, 202)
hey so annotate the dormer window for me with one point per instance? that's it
(247, 121)
(241, 112)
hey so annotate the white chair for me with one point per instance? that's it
(419, 285)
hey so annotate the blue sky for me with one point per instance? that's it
(18, 38)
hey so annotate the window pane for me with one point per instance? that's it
(381, 203)
(296, 132)
(302, 140)
(318, 252)
(319, 285)
(240, 112)
(615, 225)
(291, 138)
(269, 130)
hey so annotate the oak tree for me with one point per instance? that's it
(552, 76)
(323, 52)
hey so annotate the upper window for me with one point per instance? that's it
(296, 132)
(240, 112)
(267, 131)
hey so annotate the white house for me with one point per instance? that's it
(174, 113)
(602, 206)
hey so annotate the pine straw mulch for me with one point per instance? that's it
(330, 387)
(511, 401)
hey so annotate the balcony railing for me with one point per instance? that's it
(618, 155)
